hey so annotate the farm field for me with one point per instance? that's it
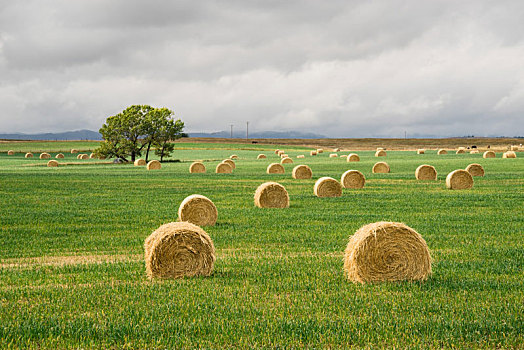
(72, 269)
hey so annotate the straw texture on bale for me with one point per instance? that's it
(74, 151)
(261, 156)
(509, 154)
(286, 160)
(488, 154)
(179, 249)
(380, 153)
(327, 187)
(426, 172)
(78, 156)
(197, 167)
(320, 150)
(514, 148)
(386, 251)
(353, 179)
(459, 180)
(271, 195)
(333, 155)
(302, 172)
(381, 168)
(45, 155)
(460, 151)
(153, 165)
(198, 210)
(353, 157)
(140, 162)
(313, 153)
(59, 155)
(10, 152)
(234, 156)
(442, 151)
(223, 168)
(29, 155)
(275, 168)
(52, 163)
(475, 169)
(84, 156)
(92, 156)
(421, 151)
(300, 156)
(230, 163)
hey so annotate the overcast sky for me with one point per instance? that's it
(338, 68)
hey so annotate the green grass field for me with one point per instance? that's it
(72, 272)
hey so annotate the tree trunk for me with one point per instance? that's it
(147, 152)
(162, 152)
(132, 156)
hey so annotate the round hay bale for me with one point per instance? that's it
(386, 251)
(488, 154)
(139, 162)
(84, 156)
(59, 156)
(281, 152)
(302, 172)
(198, 210)
(52, 163)
(336, 150)
(426, 172)
(333, 155)
(475, 169)
(275, 168)
(45, 155)
(271, 195)
(230, 163)
(353, 179)
(261, 156)
(74, 151)
(460, 151)
(153, 165)
(313, 153)
(179, 249)
(380, 148)
(286, 160)
(514, 148)
(197, 167)
(327, 187)
(92, 156)
(300, 156)
(421, 151)
(459, 180)
(234, 156)
(276, 151)
(509, 154)
(320, 150)
(282, 156)
(10, 152)
(29, 155)
(353, 157)
(380, 153)
(223, 168)
(381, 168)
(441, 152)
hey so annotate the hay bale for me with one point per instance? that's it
(300, 156)
(336, 150)
(475, 169)
(280, 152)
(509, 154)
(139, 162)
(179, 249)
(197, 167)
(421, 151)
(10, 152)
(74, 151)
(52, 163)
(488, 154)
(233, 156)
(380, 153)
(223, 168)
(78, 156)
(275, 168)
(302, 172)
(29, 155)
(154, 165)
(230, 163)
(276, 151)
(353, 179)
(426, 172)
(261, 156)
(459, 180)
(313, 153)
(320, 150)
(460, 151)
(381, 168)
(84, 156)
(462, 148)
(92, 156)
(45, 155)
(380, 149)
(386, 251)
(198, 210)
(271, 195)
(286, 160)
(327, 187)
(514, 148)
(474, 151)
(59, 156)
(353, 157)
(441, 152)
(333, 155)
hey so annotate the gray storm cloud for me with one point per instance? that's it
(342, 69)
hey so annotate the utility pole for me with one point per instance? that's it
(247, 130)
(231, 135)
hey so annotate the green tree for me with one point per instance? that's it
(169, 130)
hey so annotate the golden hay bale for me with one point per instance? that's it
(336, 150)
(380, 153)
(380, 148)
(74, 151)
(84, 156)
(353, 179)
(45, 155)
(327, 187)
(197, 167)
(78, 156)
(320, 150)
(275, 168)
(426, 172)
(276, 151)
(302, 172)
(313, 153)
(509, 154)
(421, 151)
(10, 152)
(153, 165)
(233, 156)
(381, 168)
(29, 155)
(179, 249)
(514, 148)
(261, 156)
(300, 156)
(280, 152)
(474, 151)
(284, 155)
(139, 162)
(92, 156)
(442, 151)
(333, 155)
(271, 195)
(52, 163)
(488, 154)
(460, 151)
(386, 251)
(198, 210)
(475, 169)
(353, 157)
(230, 163)
(59, 156)
(459, 180)
(286, 160)
(223, 168)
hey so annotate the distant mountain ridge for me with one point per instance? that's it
(61, 136)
